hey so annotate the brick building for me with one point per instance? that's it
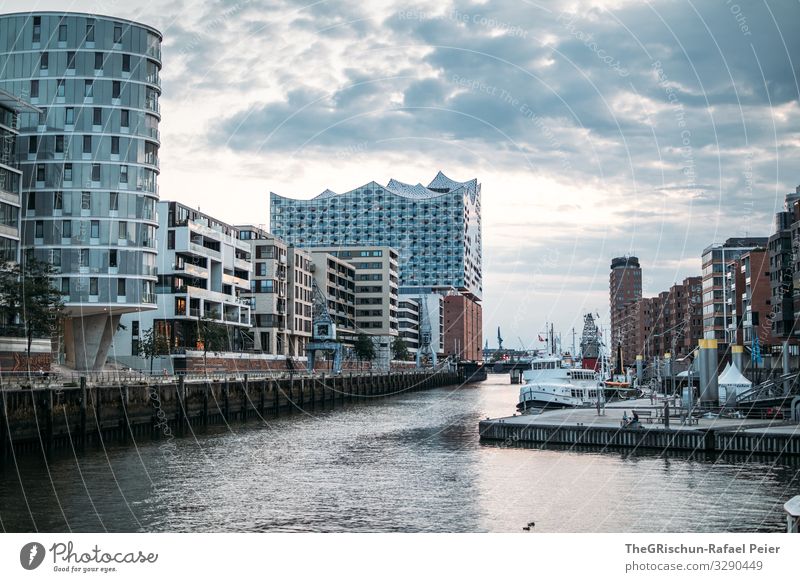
(463, 325)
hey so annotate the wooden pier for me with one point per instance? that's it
(583, 428)
(44, 419)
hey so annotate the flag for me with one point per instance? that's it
(755, 354)
(541, 339)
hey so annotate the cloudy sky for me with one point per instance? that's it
(596, 128)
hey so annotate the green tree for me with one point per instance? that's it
(364, 348)
(29, 300)
(151, 345)
(400, 349)
(213, 335)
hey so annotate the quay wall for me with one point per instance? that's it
(751, 441)
(42, 419)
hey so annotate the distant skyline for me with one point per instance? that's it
(597, 129)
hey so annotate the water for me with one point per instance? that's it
(406, 463)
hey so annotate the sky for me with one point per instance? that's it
(597, 129)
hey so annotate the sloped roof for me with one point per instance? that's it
(732, 376)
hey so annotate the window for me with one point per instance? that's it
(93, 285)
(33, 144)
(62, 33)
(261, 269)
(37, 29)
(40, 172)
(42, 116)
(97, 116)
(123, 230)
(95, 229)
(39, 229)
(86, 200)
(123, 174)
(112, 258)
(124, 117)
(69, 114)
(90, 31)
(170, 239)
(44, 61)
(83, 260)
(126, 63)
(135, 328)
(34, 88)
(88, 88)
(115, 145)
(70, 60)
(87, 144)
(58, 200)
(117, 34)
(121, 287)
(95, 172)
(66, 229)
(115, 89)
(114, 201)
(59, 148)
(60, 89)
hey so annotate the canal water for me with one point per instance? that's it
(406, 463)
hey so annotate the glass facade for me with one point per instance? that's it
(89, 159)
(436, 229)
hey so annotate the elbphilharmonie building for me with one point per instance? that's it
(435, 228)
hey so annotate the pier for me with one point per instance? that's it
(584, 427)
(44, 419)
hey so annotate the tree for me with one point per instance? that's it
(152, 344)
(213, 335)
(29, 300)
(400, 349)
(364, 348)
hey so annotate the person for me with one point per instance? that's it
(624, 418)
(635, 419)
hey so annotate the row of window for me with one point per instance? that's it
(36, 35)
(59, 145)
(99, 61)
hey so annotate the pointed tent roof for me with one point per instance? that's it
(732, 376)
(442, 181)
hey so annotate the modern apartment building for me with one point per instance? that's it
(280, 294)
(750, 301)
(625, 288)
(203, 272)
(431, 313)
(408, 324)
(336, 280)
(436, 230)
(783, 251)
(89, 161)
(715, 261)
(10, 175)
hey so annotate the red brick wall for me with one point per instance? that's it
(463, 328)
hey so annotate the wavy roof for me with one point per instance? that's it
(414, 191)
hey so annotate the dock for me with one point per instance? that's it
(584, 427)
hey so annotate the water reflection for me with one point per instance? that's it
(408, 463)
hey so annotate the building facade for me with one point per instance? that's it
(10, 175)
(89, 162)
(408, 324)
(279, 295)
(203, 273)
(463, 325)
(625, 288)
(751, 295)
(335, 279)
(715, 261)
(436, 230)
(782, 257)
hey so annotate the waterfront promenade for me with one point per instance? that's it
(45, 418)
(583, 426)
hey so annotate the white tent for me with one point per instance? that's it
(731, 383)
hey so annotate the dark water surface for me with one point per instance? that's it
(406, 463)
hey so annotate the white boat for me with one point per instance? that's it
(551, 383)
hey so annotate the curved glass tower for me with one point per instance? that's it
(89, 163)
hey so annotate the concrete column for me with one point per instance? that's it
(87, 340)
(785, 358)
(737, 357)
(640, 370)
(709, 389)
